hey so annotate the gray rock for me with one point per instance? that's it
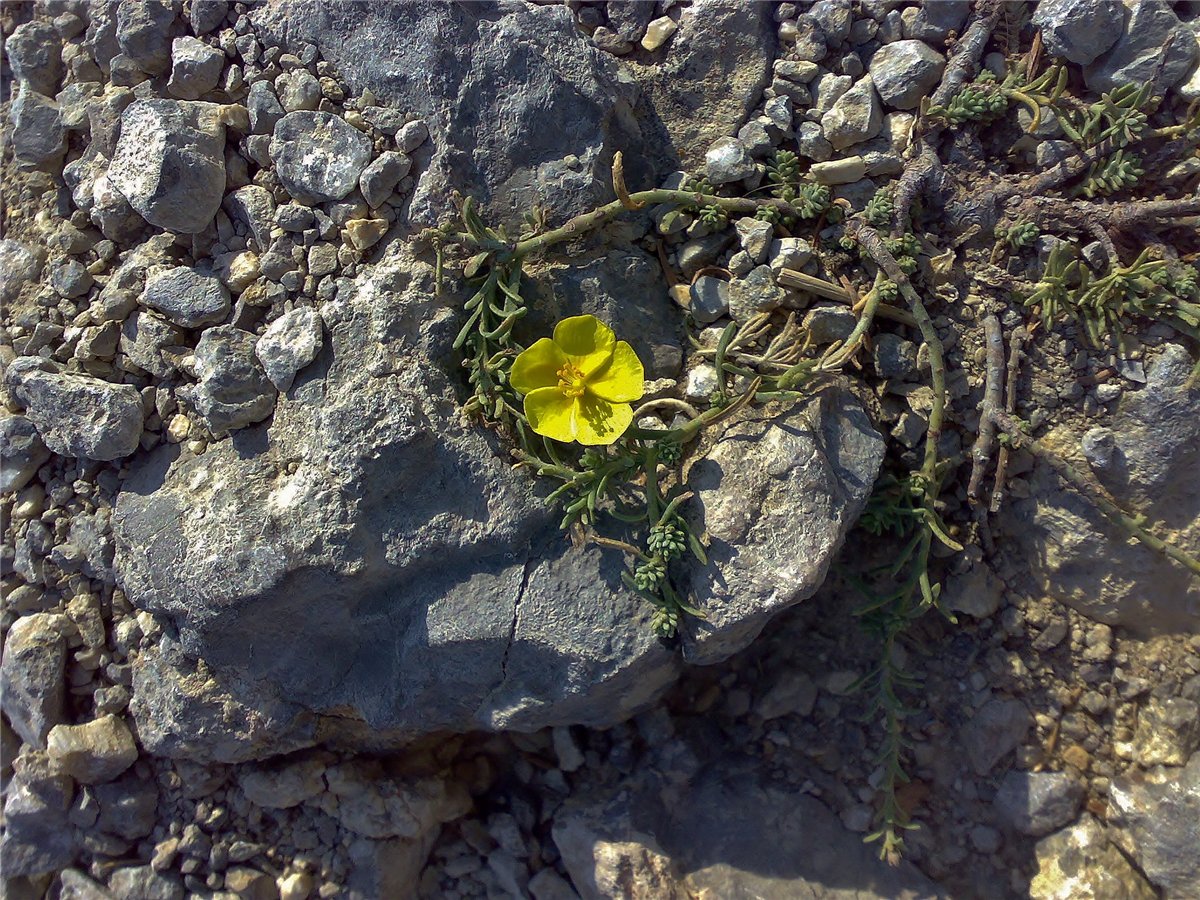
(76, 415)
(318, 156)
(128, 807)
(1081, 862)
(32, 676)
(38, 838)
(299, 90)
(829, 322)
(289, 344)
(1157, 815)
(144, 337)
(754, 137)
(792, 693)
(385, 119)
(207, 15)
(264, 108)
(629, 18)
(282, 786)
(514, 160)
(195, 68)
(755, 293)
(722, 832)
(762, 557)
(1138, 53)
(70, 278)
(1079, 30)
(976, 592)
(234, 390)
(833, 16)
(22, 452)
(144, 32)
(906, 71)
(710, 299)
(935, 21)
(77, 886)
(38, 136)
(727, 160)
(811, 143)
(376, 806)
(93, 752)
(1168, 732)
(1037, 803)
(378, 180)
(34, 53)
(170, 163)
(755, 236)
(604, 38)
(893, 356)
(254, 207)
(827, 90)
(189, 298)
(412, 135)
(789, 253)
(809, 43)
(1153, 468)
(855, 117)
(19, 266)
(996, 729)
(143, 883)
(702, 251)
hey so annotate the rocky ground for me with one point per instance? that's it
(279, 622)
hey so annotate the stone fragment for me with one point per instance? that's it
(77, 415)
(412, 135)
(1138, 54)
(789, 253)
(1079, 30)
(318, 156)
(378, 180)
(298, 90)
(38, 136)
(187, 297)
(282, 786)
(996, 729)
(658, 32)
(710, 299)
(839, 171)
(144, 337)
(31, 674)
(828, 322)
(77, 886)
(19, 266)
(144, 31)
(234, 390)
(263, 108)
(289, 344)
(833, 17)
(792, 693)
(755, 293)
(755, 236)
(1157, 819)
(906, 71)
(254, 207)
(34, 52)
(362, 234)
(170, 163)
(811, 143)
(38, 838)
(893, 356)
(128, 807)
(935, 21)
(1168, 732)
(728, 160)
(143, 881)
(207, 15)
(856, 116)
(195, 68)
(93, 752)
(22, 452)
(1079, 863)
(1037, 803)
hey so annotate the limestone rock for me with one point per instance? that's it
(234, 389)
(727, 160)
(22, 452)
(170, 163)
(93, 752)
(1138, 52)
(37, 838)
(77, 415)
(762, 558)
(189, 298)
(1158, 820)
(195, 68)
(282, 786)
(1168, 731)
(318, 156)
(1079, 30)
(19, 266)
(1079, 863)
(31, 674)
(38, 136)
(1038, 803)
(906, 71)
(34, 52)
(855, 117)
(289, 344)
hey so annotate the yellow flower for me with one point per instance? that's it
(578, 386)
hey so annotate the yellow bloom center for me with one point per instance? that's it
(571, 381)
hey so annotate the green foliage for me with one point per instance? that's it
(711, 215)
(905, 249)
(1119, 116)
(1114, 173)
(979, 101)
(880, 208)
(1022, 235)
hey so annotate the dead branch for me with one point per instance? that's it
(1016, 346)
(993, 394)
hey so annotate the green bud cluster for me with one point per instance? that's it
(667, 540)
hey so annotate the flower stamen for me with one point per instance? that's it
(571, 381)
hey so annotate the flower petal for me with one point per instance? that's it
(600, 422)
(620, 380)
(551, 413)
(586, 340)
(537, 367)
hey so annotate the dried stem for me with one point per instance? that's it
(1016, 345)
(981, 452)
